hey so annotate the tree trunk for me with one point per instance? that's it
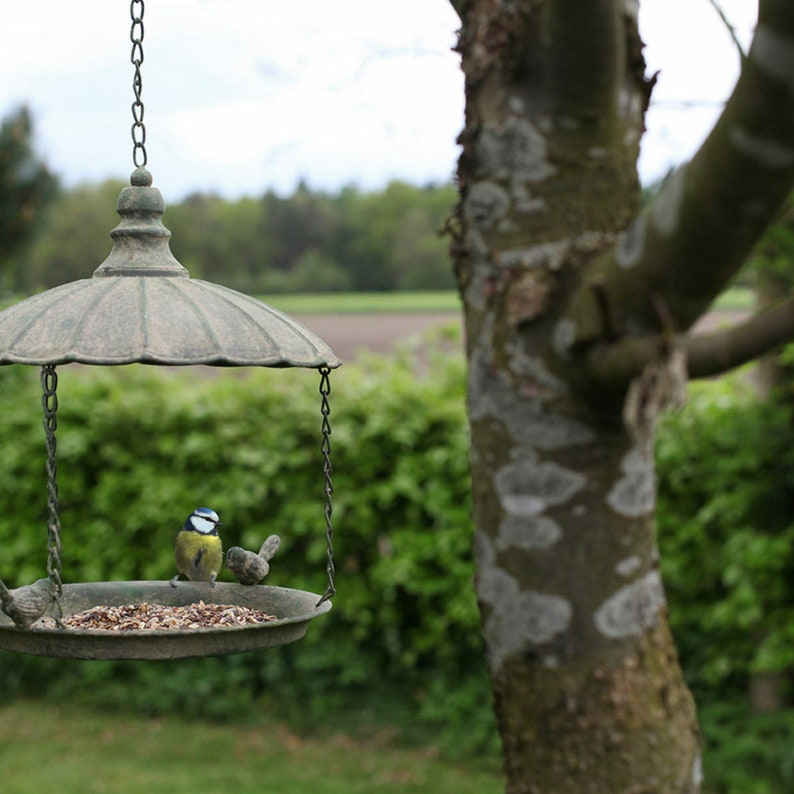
(588, 690)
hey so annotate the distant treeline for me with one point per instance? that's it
(308, 242)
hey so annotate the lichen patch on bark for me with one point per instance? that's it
(697, 772)
(629, 565)
(486, 204)
(527, 487)
(630, 248)
(548, 255)
(634, 494)
(516, 619)
(526, 202)
(494, 396)
(527, 532)
(533, 368)
(514, 150)
(632, 609)
(563, 336)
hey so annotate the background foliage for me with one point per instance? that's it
(726, 533)
(26, 184)
(309, 241)
(726, 524)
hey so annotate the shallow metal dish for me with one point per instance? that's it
(294, 610)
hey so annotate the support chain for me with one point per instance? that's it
(328, 486)
(49, 402)
(139, 157)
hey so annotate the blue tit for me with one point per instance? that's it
(197, 547)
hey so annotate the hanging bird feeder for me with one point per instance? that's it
(141, 306)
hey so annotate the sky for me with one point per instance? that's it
(243, 96)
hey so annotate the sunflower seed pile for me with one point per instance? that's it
(138, 617)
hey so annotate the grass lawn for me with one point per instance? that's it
(365, 302)
(736, 298)
(72, 750)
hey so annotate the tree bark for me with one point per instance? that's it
(555, 270)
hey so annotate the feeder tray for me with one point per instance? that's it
(293, 609)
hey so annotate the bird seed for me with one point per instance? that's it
(142, 617)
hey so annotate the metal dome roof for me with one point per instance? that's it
(142, 306)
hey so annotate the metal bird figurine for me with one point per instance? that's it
(197, 548)
(25, 605)
(249, 567)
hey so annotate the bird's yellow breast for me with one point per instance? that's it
(198, 556)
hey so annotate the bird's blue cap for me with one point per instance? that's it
(206, 513)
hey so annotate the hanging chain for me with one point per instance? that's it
(328, 486)
(49, 402)
(139, 157)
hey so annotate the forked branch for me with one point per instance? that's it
(705, 220)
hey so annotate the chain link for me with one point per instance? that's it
(328, 486)
(139, 157)
(49, 402)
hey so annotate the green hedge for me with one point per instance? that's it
(726, 529)
(726, 533)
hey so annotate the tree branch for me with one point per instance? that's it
(711, 354)
(614, 366)
(730, 28)
(706, 218)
